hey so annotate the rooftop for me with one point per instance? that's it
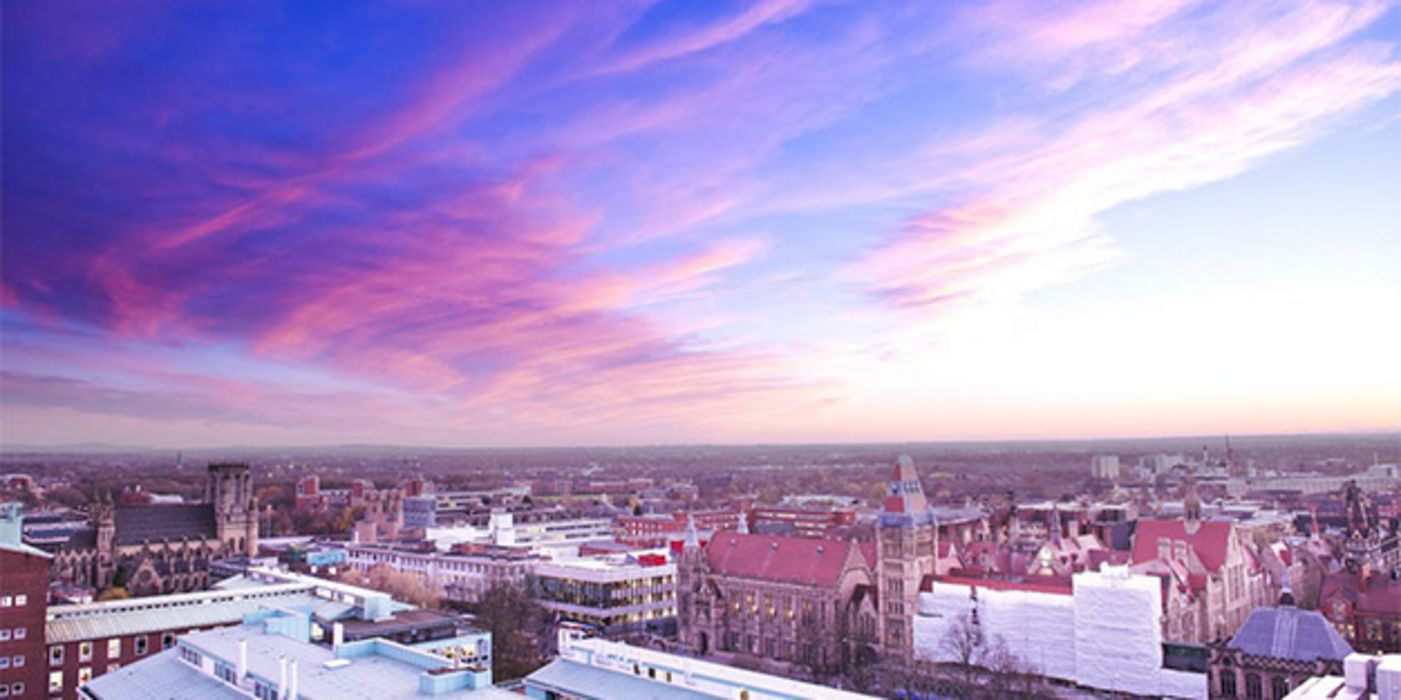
(801, 560)
(371, 670)
(1286, 632)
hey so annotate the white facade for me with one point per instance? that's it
(553, 537)
(1105, 634)
(464, 577)
(1105, 467)
(610, 592)
(656, 674)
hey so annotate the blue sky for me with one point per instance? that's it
(677, 222)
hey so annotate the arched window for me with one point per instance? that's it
(1279, 686)
(1253, 689)
(1226, 681)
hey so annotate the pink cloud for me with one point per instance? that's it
(1030, 220)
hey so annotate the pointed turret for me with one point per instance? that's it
(692, 541)
(1191, 498)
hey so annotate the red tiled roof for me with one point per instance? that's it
(1211, 541)
(802, 560)
(868, 550)
(1377, 595)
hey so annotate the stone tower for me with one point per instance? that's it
(689, 579)
(907, 549)
(230, 491)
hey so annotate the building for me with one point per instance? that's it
(617, 594)
(1212, 577)
(88, 640)
(465, 573)
(1275, 651)
(1378, 479)
(1366, 610)
(803, 520)
(24, 581)
(1364, 677)
(271, 655)
(561, 536)
(1105, 467)
(153, 549)
(596, 669)
(655, 530)
(907, 536)
(1098, 629)
(795, 599)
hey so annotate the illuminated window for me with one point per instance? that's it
(55, 681)
(84, 675)
(85, 651)
(114, 648)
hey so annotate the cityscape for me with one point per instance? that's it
(670, 350)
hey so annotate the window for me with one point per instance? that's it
(1228, 684)
(4, 690)
(18, 661)
(55, 681)
(6, 601)
(114, 648)
(167, 640)
(84, 675)
(17, 688)
(85, 651)
(56, 655)
(4, 662)
(1279, 686)
(21, 599)
(21, 633)
(1253, 689)
(4, 635)
(140, 644)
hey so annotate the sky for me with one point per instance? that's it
(546, 224)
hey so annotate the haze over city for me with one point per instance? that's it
(631, 223)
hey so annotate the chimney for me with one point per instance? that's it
(292, 691)
(281, 677)
(242, 660)
(337, 635)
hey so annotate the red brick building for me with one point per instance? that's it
(657, 530)
(1366, 609)
(24, 581)
(802, 521)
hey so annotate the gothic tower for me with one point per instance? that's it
(230, 491)
(690, 578)
(907, 549)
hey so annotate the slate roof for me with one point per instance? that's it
(1286, 632)
(137, 524)
(802, 560)
(82, 539)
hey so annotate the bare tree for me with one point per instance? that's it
(406, 586)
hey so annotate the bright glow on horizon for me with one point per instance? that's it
(782, 221)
